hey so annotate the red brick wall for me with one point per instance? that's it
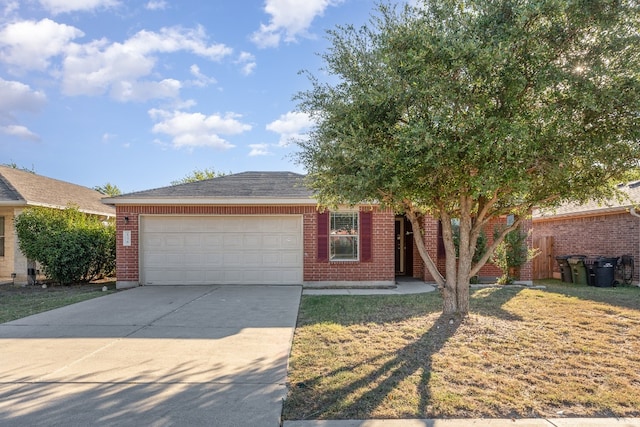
(488, 270)
(380, 268)
(611, 235)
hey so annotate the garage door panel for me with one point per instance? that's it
(221, 250)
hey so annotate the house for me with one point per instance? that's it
(609, 229)
(20, 189)
(260, 228)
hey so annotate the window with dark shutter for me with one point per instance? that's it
(366, 232)
(323, 236)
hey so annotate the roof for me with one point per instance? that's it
(23, 188)
(239, 188)
(631, 191)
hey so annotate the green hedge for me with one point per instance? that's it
(70, 246)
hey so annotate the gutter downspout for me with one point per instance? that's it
(633, 212)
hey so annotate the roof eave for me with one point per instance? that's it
(580, 214)
(138, 201)
(13, 203)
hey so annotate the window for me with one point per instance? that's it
(1, 236)
(343, 236)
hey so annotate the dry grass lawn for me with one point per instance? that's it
(18, 301)
(566, 350)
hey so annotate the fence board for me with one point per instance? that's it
(543, 263)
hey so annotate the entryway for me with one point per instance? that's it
(403, 247)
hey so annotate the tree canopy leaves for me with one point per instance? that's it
(473, 109)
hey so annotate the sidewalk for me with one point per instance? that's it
(403, 286)
(525, 422)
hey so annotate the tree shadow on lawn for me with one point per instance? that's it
(620, 296)
(359, 398)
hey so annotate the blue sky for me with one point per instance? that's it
(139, 93)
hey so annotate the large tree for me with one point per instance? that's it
(198, 175)
(475, 109)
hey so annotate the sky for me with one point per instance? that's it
(140, 93)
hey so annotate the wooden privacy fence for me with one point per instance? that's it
(543, 263)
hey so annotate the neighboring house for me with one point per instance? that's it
(261, 228)
(607, 229)
(20, 189)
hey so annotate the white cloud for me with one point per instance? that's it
(291, 126)
(30, 45)
(10, 6)
(156, 5)
(247, 63)
(259, 150)
(144, 90)
(66, 6)
(196, 129)
(201, 79)
(93, 68)
(289, 19)
(18, 96)
(19, 131)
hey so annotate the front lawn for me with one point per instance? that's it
(563, 351)
(20, 301)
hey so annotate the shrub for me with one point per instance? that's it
(70, 246)
(511, 254)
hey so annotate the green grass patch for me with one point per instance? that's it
(520, 353)
(17, 301)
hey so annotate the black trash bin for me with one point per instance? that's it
(604, 270)
(565, 268)
(589, 264)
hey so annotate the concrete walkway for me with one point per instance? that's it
(403, 286)
(528, 422)
(152, 356)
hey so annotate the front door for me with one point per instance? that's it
(403, 247)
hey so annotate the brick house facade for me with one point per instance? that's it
(245, 196)
(608, 229)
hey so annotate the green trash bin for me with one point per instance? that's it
(579, 270)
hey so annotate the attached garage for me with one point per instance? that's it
(250, 228)
(234, 249)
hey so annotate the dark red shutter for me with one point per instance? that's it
(323, 236)
(366, 232)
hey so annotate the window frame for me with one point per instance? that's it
(352, 236)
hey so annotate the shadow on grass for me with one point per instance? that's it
(359, 396)
(350, 402)
(620, 296)
(491, 301)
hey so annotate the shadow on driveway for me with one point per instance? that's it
(152, 356)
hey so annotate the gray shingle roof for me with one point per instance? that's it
(632, 190)
(22, 188)
(245, 185)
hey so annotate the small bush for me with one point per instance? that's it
(69, 245)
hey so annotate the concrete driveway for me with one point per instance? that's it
(153, 356)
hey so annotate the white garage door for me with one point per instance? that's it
(202, 250)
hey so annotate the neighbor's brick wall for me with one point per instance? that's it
(610, 235)
(380, 268)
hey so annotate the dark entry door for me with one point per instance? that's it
(403, 247)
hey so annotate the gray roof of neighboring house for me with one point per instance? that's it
(631, 190)
(23, 188)
(245, 186)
